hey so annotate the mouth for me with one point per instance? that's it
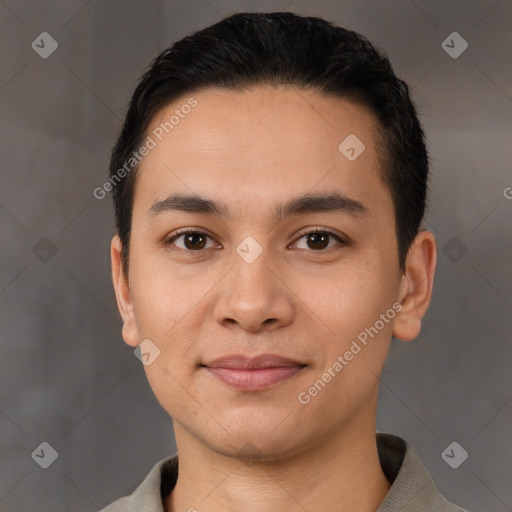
(253, 373)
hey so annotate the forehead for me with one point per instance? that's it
(263, 117)
(265, 142)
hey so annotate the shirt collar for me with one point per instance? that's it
(412, 489)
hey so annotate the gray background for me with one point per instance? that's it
(68, 379)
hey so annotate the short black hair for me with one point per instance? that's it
(283, 48)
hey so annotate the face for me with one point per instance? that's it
(253, 277)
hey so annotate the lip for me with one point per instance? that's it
(243, 362)
(253, 373)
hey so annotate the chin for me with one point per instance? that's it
(253, 449)
(251, 439)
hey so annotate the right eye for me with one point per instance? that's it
(193, 241)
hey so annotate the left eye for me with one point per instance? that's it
(319, 239)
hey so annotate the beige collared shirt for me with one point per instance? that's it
(412, 489)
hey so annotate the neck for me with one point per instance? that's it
(340, 475)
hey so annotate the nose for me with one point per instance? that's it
(254, 296)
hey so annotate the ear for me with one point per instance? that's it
(416, 286)
(123, 296)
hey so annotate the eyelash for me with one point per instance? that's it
(168, 241)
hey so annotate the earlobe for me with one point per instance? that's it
(415, 290)
(123, 295)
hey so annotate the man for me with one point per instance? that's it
(269, 184)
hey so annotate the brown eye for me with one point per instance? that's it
(191, 240)
(319, 240)
(194, 241)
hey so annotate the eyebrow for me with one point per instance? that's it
(307, 203)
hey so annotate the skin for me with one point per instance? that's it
(252, 150)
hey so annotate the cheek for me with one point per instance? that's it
(348, 306)
(344, 300)
(165, 296)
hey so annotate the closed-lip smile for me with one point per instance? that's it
(253, 373)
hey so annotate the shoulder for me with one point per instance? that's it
(148, 495)
(412, 488)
